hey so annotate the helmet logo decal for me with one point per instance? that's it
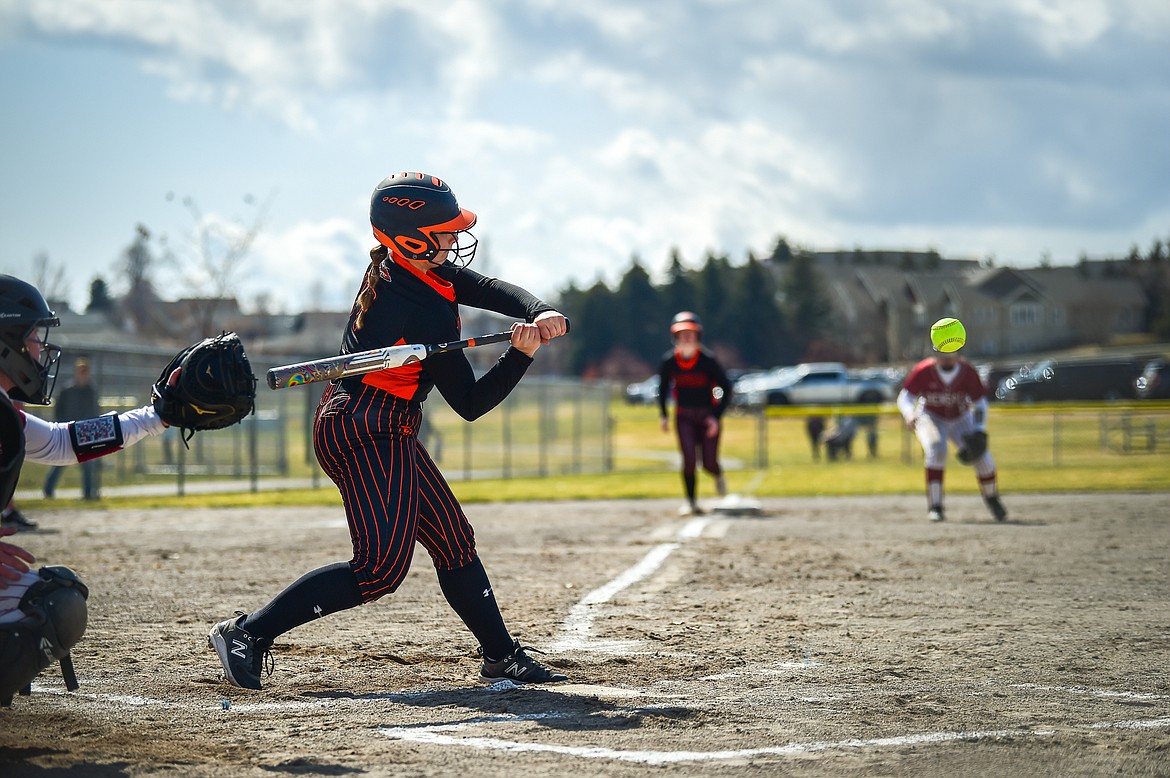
(413, 245)
(404, 202)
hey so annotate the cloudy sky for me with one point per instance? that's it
(581, 133)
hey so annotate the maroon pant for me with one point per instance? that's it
(393, 493)
(691, 426)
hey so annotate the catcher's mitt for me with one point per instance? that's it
(215, 387)
(974, 446)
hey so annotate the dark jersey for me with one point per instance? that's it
(11, 448)
(692, 382)
(411, 307)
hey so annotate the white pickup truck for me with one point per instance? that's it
(813, 383)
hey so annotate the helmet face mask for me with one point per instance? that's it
(417, 217)
(456, 248)
(25, 318)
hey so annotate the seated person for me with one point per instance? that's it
(839, 441)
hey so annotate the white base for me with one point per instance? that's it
(735, 504)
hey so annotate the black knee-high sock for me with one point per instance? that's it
(689, 482)
(318, 593)
(469, 593)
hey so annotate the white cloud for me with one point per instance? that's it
(586, 133)
(1063, 27)
(308, 264)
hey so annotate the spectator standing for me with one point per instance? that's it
(839, 440)
(78, 400)
(815, 427)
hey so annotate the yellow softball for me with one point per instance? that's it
(948, 335)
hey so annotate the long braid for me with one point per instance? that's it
(378, 254)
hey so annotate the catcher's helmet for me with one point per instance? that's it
(685, 320)
(23, 311)
(408, 212)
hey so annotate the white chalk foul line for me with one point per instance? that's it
(438, 736)
(1148, 724)
(1086, 690)
(577, 628)
(446, 734)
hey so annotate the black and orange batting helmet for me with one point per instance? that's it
(409, 211)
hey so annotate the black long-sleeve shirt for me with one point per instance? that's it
(412, 308)
(692, 382)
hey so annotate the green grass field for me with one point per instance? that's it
(1037, 449)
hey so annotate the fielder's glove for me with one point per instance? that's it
(215, 387)
(974, 446)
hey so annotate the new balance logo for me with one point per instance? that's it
(487, 592)
(239, 649)
(515, 670)
(317, 609)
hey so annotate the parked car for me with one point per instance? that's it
(1096, 379)
(1154, 381)
(750, 388)
(646, 392)
(643, 392)
(814, 383)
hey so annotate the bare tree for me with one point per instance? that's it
(136, 266)
(49, 277)
(209, 265)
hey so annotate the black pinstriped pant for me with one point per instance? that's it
(691, 426)
(394, 495)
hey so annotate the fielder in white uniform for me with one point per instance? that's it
(944, 399)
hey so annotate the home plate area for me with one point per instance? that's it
(820, 637)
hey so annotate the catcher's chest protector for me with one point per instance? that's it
(11, 449)
(56, 617)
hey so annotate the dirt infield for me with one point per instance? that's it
(824, 637)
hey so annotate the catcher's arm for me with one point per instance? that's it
(70, 442)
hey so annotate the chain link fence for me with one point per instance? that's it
(546, 426)
(555, 426)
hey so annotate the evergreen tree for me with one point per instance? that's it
(781, 252)
(99, 297)
(806, 303)
(137, 266)
(755, 324)
(1156, 284)
(638, 314)
(714, 285)
(680, 293)
(594, 329)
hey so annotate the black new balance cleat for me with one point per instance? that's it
(935, 513)
(996, 508)
(518, 667)
(243, 655)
